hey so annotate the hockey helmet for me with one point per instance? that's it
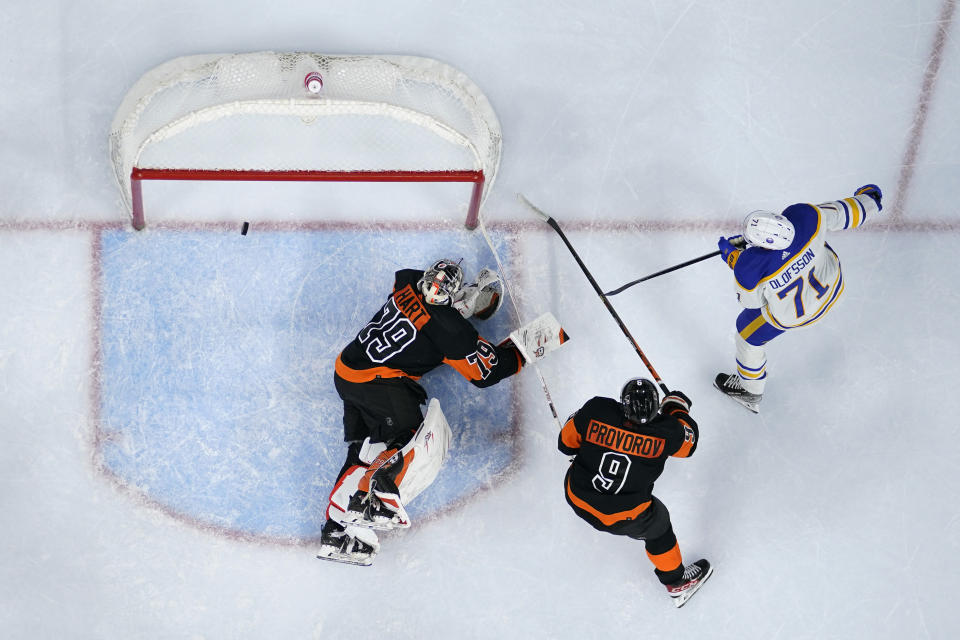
(768, 230)
(640, 399)
(441, 281)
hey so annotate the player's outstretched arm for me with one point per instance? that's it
(853, 212)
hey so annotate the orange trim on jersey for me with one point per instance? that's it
(628, 442)
(570, 436)
(606, 518)
(366, 375)
(464, 368)
(473, 371)
(684, 450)
(668, 561)
(411, 306)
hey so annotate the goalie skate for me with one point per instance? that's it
(729, 385)
(348, 545)
(377, 510)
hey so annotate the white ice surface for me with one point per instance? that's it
(832, 514)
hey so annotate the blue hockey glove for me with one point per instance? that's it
(871, 190)
(729, 245)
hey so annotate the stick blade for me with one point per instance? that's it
(522, 198)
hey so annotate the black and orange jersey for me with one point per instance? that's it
(408, 337)
(617, 461)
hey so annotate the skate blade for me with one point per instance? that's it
(380, 524)
(346, 558)
(752, 406)
(679, 601)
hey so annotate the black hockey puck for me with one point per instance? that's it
(243, 230)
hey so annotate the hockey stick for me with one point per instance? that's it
(556, 227)
(516, 309)
(660, 273)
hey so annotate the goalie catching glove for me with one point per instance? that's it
(480, 299)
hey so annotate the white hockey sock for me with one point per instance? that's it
(751, 366)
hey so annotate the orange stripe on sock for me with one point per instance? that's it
(667, 561)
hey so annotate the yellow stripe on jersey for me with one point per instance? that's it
(856, 212)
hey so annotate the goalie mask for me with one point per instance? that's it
(640, 399)
(441, 281)
(768, 230)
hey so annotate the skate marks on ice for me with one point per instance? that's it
(216, 400)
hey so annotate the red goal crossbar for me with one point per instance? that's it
(137, 175)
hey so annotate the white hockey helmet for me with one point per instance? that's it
(767, 230)
(441, 281)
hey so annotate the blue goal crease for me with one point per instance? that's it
(217, 370)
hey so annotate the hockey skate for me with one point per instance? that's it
(377, 510)
(729, 385)
(380, 508)
(350, 545)
(694, 575)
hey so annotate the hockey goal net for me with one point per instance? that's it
(252, 117)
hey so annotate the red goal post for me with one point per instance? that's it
(251, 117)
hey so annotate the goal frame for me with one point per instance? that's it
(138, 175)
(461, 104)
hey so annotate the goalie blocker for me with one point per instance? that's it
(536, 339)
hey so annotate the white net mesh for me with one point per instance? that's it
(252, 112)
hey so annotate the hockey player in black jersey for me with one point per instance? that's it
(619, 450)
(422, 325)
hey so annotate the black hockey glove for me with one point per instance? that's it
(677, 399)
(871, 190)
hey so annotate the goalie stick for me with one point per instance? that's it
(516, 309)
(556, 227)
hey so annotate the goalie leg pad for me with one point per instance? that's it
(347, 486)
(426, 453)
(397, 477)
(376, 504)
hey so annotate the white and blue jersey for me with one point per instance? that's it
(796, 286)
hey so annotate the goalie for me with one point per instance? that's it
(393, 451)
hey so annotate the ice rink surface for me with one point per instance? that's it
(169, 427)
